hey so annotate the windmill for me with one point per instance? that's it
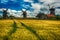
(5, 13)
(51, 9)
(24, 13)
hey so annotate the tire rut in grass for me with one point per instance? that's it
(33, 31)
(14, 28)
(55, 36)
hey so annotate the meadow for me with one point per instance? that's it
(29, 29)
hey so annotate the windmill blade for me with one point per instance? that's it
(49, 6)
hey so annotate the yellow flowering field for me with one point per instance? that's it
(29, 30)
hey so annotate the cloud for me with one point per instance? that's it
(57, 4)
(56, 0)
(57, 11)
(15, 13)
(26, 6)
(12, 11)
(28, 0)
(36, 7)
(3, 1)
(0, 9)
(49, 1)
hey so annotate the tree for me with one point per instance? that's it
(0, 16)
(58, 17)
(41, 16)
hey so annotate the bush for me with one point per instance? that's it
(58, 17)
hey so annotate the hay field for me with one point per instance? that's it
(29, 30)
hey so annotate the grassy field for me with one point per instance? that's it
(29, 30)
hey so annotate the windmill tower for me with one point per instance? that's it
(5, 13)
(24, 13)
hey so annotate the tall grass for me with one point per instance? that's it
(48, 29)
(33, 31)
(29, 30)
(14, 28)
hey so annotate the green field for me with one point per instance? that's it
(29, 29)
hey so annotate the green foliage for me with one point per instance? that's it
(58, 17)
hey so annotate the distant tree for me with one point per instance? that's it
(41, 16)
(11, 16)
(5, 14)
(58, 17)
(0, 17)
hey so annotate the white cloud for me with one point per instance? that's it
(57, 4)
(26, 6)
(36, 7)
(30, 14)
(57, 11)
(11, 11)
(0, 9)
(19, 11)
(56, 0)
(49, 1)
(23, 9)
(3, 1)
(28, 0)
(15, 13)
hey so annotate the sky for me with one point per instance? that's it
(31, 6)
